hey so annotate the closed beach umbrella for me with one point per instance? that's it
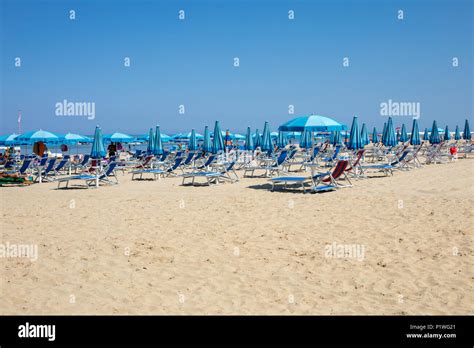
(467, 131)
(457, 134)
(364, 135)
(157, 144)
(375, 136)
(257, 139)
(266, 139)
(98, 149)
(447, 136)
(355, 142)
(207, 146)
(390, 136)
(415, 134)
(39, 135)
(217, 141)
(151, 141)
(434, 136)
(281, 140)
(313, 123)
(403, 134)
(426, 134)
(306, 140)
(337, 138)
(384, 132)
(193, 141)
(249, 140)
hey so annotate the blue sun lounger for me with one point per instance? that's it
(213, 176)
(157, 172)
(90, 180)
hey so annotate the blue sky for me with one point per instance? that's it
(190, 62)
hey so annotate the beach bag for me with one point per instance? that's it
(453, 150)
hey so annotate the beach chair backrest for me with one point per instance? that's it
(281, 157)
(9, 164)
(177, 163)
(209, 160)
(61, 164)
(85, 160)
(164, 156)
(336, 152)
(338, 170)
(50, 165)
(189, 158)
(402, 157)
(110, 168)
(147, 160)
(230, 166)
(43, 161)
(315, 152)
(24, 166)
(360, 153)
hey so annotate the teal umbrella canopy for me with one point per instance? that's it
(39, 135)
(217, 141)
(119, 138)
(98, 149)
(312, 123)
(249, 140)
(355, 142)
(257, 139)
(193, 141)
(266, 139)
(434, 136)
(447, 135)
(157, 142)
(403, 134)
(364, 135)
(375, 136)
(71, 138)
(187, 136)
(390, 136)
(415, 133)
(151, 141)
(467, 131)
(457, 134)
(426, 134)
(281, 140)
(8, 139)
(207, 146)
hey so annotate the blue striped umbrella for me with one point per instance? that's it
(313, 123)
(355, 142)
(151, 141)
(207, 146)
(390, 136)
(266, 139)
(426, 134)
(457, 134)
(403, 134)
(364, 136)
(257, 139)
(157, 142)
(447, 135)
(98, 149)
(375, 136)
(217, 141)
(467, 131)
(434, 136)
(119, 138)
(192, 141)
(415, 133)
(39, 135)
(249, 140)
(281, 140)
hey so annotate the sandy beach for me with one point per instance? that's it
(161, 248)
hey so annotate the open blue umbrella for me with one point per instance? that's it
(390, 136)
(403, 134)
(434, 136)
(217, 141)
(157, 144)
(257, 139)
(39, 135)
(375, 136)
(266, 139)
(281, 140)
(447, 135)
(98, 149)
(248, 140)
(151, 141)
(426, 134)
(192, 141)
(457, 134)
(8, 139)
(312, 123)
(207, 146)
(415, 133)
(467, 131)
(355, 142)
(119, 138)
(364, 136)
